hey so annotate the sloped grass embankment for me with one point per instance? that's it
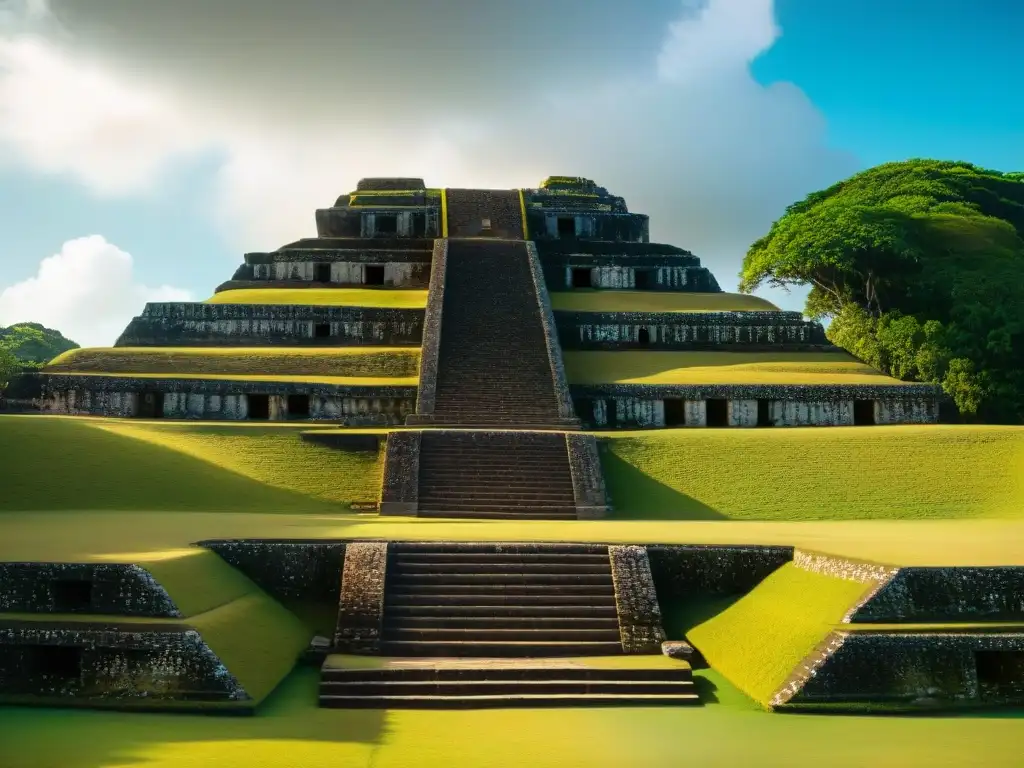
(657, 301)
(822, 473)
(387, 298)
(75, 464)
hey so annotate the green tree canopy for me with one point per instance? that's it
(9, 366)
(32, 343)
(920, 266)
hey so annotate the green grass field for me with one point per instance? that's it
(644, 367)
(821, 473)
(761, 638)
(657, 301)
(389, 298)
(350, 362)
(67, 463)
(289, 730)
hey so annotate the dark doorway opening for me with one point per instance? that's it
(322, 273)
(585, 411)
(582, 277)
(55, 662)
(675, 412)
(322, 331)
(643, 279)
(71, 595)
(298, 406)
(373, 274)
(384, 224)
(863, 412)
(567, 226)
(612, 413)
(419, 225)
(764, 414)
(643, 337)
(1000, 673)
(151, 405)
(259, 406)
(718, 412)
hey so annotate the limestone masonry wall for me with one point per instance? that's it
(770, 331)
(126, 590)
(636, 600)
(361, 608)
(116, 665)
(289, 571)
(253, 325)
(224, 399)
(687, 570)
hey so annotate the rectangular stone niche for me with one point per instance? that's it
(1000, 674)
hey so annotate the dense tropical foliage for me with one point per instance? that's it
(920, 267)
(34, 344)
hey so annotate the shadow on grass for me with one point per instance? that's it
(638, 496)
(99, 739)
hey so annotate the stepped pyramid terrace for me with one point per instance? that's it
(493, 448)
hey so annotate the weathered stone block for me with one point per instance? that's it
(361, 608)
(636, 600)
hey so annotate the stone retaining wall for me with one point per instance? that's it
(705, 331)
(639, 406)
(661, 278)
(542, 224)
(256, 325)
(685, 570)
(224, 399)
(127, 590)
(554, 349)
(117, 667)
(298, 274)
(289, 571)
(908, 670)
(588, 486)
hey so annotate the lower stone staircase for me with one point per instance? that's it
(510, 475)
(507, 600)
(488, 683)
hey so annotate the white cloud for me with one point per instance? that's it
(87, 291)
(694, 140)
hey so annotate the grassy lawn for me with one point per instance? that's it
(354, 362)
(657, 301)
(821, 473)
(761, 638)
(79, 464)
(340, 381)
(643, 367)
(289, 730)
(389, 298)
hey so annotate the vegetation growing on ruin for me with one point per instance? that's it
(657, 301)
(920, 265)
(387, 298)
(144, 466)
(760, 639)
(819, 473)
(33, 344)
(667, 367)
(354, 362)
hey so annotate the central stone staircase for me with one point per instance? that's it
(493, 364)
(497, 475)
(507, 600)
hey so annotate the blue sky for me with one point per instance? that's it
(153, 158)
(909, 78)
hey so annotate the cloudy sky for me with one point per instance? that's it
(145, 145)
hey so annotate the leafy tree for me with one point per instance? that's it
(920, 266)
(33, 343)
(9, 367)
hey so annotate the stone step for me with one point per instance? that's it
(416, 557)
(499, 577)
(499, 547)
(550, 687)
(525, 671)
(502, 610)
(493, 514)
(407, 622)
(436, 592)
(508, 701)
(505, 567)
(499, 649)
(509, 502)
(491, 484)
